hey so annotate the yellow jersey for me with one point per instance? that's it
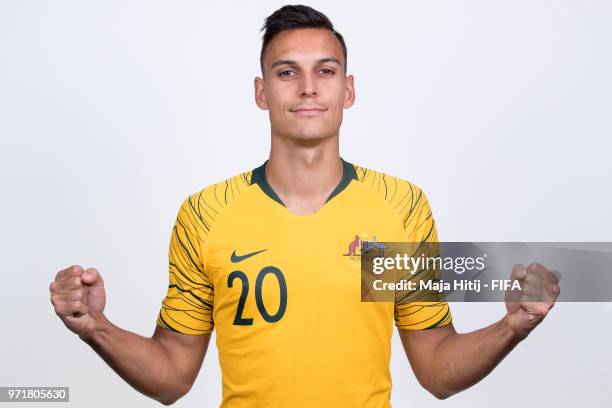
(283, 291)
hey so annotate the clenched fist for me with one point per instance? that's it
(528, 306)
(78, 297)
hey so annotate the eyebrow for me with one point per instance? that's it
(292, 62)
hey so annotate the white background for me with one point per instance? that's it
(112, 112)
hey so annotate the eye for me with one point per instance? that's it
(285, 73)
(327, 71)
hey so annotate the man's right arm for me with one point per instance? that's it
(163, 367)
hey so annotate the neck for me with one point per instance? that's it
(304, 175)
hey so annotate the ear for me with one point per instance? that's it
(260, 95)
(349, 92)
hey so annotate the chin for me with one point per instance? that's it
(310, 135)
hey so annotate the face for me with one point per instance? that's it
(304, 87)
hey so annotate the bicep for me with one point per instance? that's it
(188, 305)
(423, 317)
(185, 323)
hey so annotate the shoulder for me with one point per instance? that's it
(399, 193)
(405, 199)
(203, 207)
(219, 195)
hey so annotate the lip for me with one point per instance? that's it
(308, 111)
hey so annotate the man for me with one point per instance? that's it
(261, 257)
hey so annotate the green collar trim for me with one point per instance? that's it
(259, 177)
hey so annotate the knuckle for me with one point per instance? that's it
(541, 311)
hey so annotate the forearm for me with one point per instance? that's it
(142, 362)
(462, 360)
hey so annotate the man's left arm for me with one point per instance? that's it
(446, 362)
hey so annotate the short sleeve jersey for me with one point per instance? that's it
(283, 291)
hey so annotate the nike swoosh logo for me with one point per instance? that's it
(237, 258)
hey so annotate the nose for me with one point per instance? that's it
(308, 86)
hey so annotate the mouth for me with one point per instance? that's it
(308, 111)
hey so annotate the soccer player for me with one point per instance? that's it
(269, 258)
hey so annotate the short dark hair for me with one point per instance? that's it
(296, 16)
